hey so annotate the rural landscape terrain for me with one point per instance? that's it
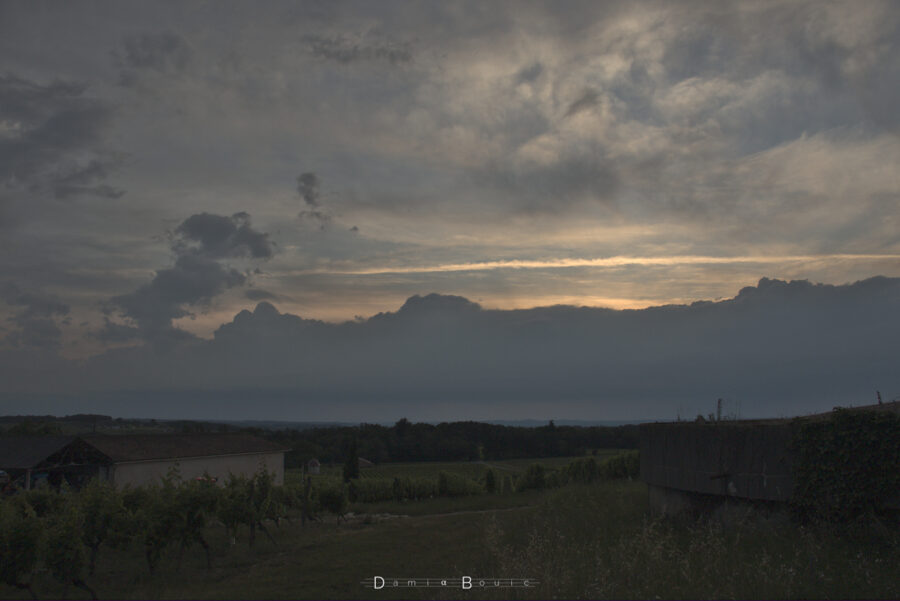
(575, 526)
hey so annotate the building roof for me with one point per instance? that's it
(25, 452)
(147, 447)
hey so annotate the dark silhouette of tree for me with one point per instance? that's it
(351, 465)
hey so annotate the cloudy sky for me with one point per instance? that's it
(165, 166)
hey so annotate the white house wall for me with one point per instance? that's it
(148, 472)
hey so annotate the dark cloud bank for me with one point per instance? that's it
(780, 348)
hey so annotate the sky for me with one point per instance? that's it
(375, 171)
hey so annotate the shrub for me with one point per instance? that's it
(21, 534)
(372, 490)
(333, 499)
(103, 510)
(454, 485)
(490, 481)
(63, 552)
(583, 470)
(847, 465)
(623, 465)
(533, 478)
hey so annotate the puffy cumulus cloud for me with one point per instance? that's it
(199, 243)
(780, 347)
(50, 137)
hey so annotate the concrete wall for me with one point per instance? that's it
(735, 459)
(147, 472)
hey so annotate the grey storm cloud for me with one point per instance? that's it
(220, 237)
(200, 242)
(345, 50)
(35, 323)
(191, 281)
(573, 180)
(258, 294)
(780, 346)
(85, 181)
(53, 138)
(530, 73)
(589, 98)
(308, 188)
(164, 52)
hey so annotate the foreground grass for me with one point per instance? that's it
(590, 542)
(600, 542)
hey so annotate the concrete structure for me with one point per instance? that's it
(691, 465)
(682, 461)
(138, 459)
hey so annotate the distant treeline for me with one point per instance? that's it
(404, 441)
(78, 417)
(457, 441)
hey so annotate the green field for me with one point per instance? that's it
(579, 541)
(469, 469)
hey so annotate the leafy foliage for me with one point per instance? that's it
(333, 499)
(846, 465)
(103, 512)
(624, 465)
(351, 464)
(21, 536)
(64, 554)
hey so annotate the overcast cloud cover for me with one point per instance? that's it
(164, 167)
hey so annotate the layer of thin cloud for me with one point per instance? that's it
(613, 262)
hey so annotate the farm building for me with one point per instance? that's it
(22, 456)
(313, 466)
(689, 465)
(138, 459)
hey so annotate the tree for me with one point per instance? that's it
(490, 481)
(351, 466)
(102, 508)
(63, 551)
(195, 502)
(333, 499)
(21, 533)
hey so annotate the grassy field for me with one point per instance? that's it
(580, 541)
(469, 469)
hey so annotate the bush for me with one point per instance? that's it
(21, 535)
(623, 465)
(847, 465)
(490, 481)
(454, 485)
(372, 490)
(333, 499)
(533, 478)
(583, 471)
